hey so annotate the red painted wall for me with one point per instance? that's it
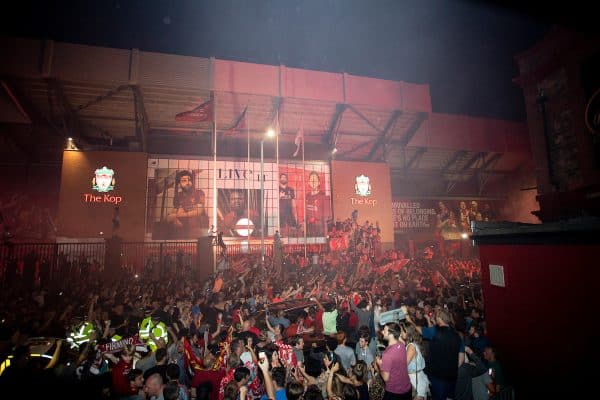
(542, 321)
(80, 218)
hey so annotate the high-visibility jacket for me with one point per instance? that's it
(158, 329)
(116, 337)
(80, 334)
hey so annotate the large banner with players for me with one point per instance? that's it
(188, 199)
(192, 198)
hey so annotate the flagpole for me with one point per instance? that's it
(303, 185)
(214, 103)
(277, 161)
(262, 201)
(248, 166)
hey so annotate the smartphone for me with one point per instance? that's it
(490, 372)
(262, 355)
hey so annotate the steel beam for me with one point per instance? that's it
(141, 117)
(330, 137)
(414, 127)
(417, 156)
(381, 139)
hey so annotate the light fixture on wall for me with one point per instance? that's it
(71, 144)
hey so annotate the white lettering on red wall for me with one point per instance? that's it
(105, 198)
(363, 201)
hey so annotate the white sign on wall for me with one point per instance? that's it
(497, 275)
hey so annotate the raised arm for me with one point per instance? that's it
(250, 348)
(90, 313)
(335, 367)
(263, 364)
(319, 303)
(308, 380)
(410, 321)
(55, 355)
(269, 326)
(106, 331)
(172, 334)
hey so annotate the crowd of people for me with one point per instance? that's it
(21, 216)
(356, 322)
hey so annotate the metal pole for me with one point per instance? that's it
(214, 182)
(262, 201)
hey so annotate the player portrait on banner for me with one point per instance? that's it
(178, 208)
(234, 217)
(288, 220)
(318, 207)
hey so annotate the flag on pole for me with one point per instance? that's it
(238, 123)
(299, 138)
(202, 113)
(190, 359)
(276, 124)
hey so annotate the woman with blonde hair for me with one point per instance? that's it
(415, 360)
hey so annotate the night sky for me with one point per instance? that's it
(464, 50)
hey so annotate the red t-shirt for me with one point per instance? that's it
(291, 330)
(235, 317)
(319, 321)
(254, 330)
(308, 322)
(353, 321)
(120, 383)
(212, 377)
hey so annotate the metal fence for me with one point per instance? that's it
(55, 262)
(158, 257)
(234, 249)
(47, 262)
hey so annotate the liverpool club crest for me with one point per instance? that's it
(362, 186)
(104, 180)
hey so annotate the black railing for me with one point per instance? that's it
(50, 262)
(46, 263)
(158, 257)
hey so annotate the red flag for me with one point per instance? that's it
(238, 123)
(286, 354)
(189, 357)
(202, 113)
(299, 138)
(338, 243)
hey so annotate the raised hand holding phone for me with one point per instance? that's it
(263, 362)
